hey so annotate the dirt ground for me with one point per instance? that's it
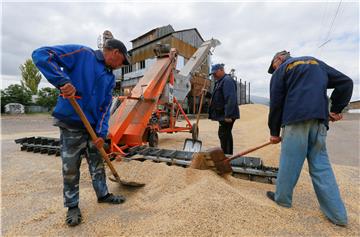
(175, 201)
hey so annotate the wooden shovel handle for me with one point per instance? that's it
(249, 150)
(200, 107)
(90, 130)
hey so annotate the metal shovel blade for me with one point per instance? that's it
(127, 183)
(192, 145)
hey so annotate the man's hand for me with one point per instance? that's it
(99, 142)
(275, 139)
(335, 117)
(228, 120)
(118, 158)
(68, 90)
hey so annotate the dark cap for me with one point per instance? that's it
(117, 44)
(284, 52)
(216, 67)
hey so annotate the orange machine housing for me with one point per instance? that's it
(129, 124)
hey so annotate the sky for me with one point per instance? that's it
(250, 32)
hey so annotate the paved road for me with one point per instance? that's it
(342, 142)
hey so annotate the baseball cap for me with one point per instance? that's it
(117, 44)
(216, 67)
(284, 52)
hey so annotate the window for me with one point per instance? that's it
(142, 64)
(126, 69)
(180, 62)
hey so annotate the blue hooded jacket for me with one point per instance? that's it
(224, 101)
(298, 92)
(85, 69)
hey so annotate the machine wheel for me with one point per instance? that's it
(153, 139)
(195, 131)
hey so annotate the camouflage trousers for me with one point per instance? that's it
(74, 144)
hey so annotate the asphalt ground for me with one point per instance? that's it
(343, 140)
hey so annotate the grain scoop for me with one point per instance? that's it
(216, 158)
(90, 130)
(194, 145)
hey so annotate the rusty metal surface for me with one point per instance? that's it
(147, 51)
(130, 119)
(197, 84)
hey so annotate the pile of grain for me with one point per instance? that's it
(250, 131)
(178, 201)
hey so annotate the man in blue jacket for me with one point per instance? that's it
(299, 105)
(81, 71)
(223, 106)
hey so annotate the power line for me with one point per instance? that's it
(324, 15)
(327, 40)
(325, 43)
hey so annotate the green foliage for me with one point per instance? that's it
(15, 94)
(48, 97)
(31, 76)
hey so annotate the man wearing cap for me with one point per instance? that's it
(299, 105)
(81, 71)
(223, 107)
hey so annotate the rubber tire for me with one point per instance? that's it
(153, 139)
(195, 132)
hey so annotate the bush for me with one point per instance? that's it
(47, 97)
(15, 94)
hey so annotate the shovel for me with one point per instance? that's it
(220, 161)
(90, 130)
(194, 144)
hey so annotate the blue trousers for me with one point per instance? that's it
(308, 140)
(75, 143)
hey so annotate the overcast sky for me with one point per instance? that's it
(250, 33)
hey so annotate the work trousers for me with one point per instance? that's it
(308, 140)
(75, 143)
(225, 136)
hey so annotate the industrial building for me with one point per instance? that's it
(186, 42)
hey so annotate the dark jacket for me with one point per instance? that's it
(224, 101)
(85, 69)
(298, 92)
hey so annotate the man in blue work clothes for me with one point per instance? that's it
(223, 106)
(77, 69)
(299, 104)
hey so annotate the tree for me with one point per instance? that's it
(15, 94)
(31, 76)
(48, 97)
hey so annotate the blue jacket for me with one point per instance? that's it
(224, 101)
(85, 69)
(298, 92)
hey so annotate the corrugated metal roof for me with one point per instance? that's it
(163, 30)
(191, 29)
(172, 33)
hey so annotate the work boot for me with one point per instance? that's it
(271, 195)
(112, 199)
(337, 223)
(73, 216)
